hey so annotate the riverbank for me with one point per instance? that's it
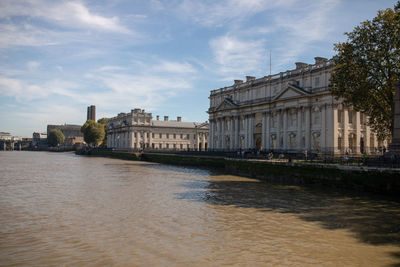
(378, 180)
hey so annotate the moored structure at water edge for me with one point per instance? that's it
(137, 130)
(290, 111)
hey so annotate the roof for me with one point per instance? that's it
(177, 124)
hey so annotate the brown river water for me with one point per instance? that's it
(60, 209)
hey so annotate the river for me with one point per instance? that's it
(62, 209)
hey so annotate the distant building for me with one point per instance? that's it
(4, 136)
(71, 132)
(91, 113)
(289, 111)
(39, 139)
(7, 141)
(137, 130)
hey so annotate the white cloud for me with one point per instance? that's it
(237, 57)
(23, 91)
(67, 13)
(218, 13)
(244, 51)
(174, 67)
(32, 65)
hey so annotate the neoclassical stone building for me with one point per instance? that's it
(137, 130)
(290, 111)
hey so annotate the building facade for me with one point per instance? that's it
(290, 111)
(137, 130)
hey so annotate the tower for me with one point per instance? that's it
(91, 113)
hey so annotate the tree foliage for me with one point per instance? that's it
(93, 132)
(104, 122)
(56, 137)
(367, 68)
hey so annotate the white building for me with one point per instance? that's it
(137, 130)
(291, 111)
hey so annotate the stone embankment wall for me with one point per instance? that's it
(376, 180)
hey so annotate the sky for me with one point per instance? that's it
(59, 57)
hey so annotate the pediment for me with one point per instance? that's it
(226, 104)
(203, 125)
(290, 92)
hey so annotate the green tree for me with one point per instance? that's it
(56, 137)
(104, 122)
(367, 68)
(93, 132)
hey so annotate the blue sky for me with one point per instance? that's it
(58, 57)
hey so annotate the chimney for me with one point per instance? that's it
(179, 119)
(158, 117)
(300, 65)
(250, 78)
(165, 118)
(319, 60)
(238, 82)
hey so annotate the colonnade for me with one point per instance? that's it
(307, 127)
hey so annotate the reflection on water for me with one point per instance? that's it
(62, 209)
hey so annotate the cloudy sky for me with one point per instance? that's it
(58, 57)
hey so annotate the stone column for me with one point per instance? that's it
(267, 130)
(358, 133)
(335, 130)
(209, 134)
(223, 133)
(251, 131)
(285, 126)
(308, 127)
(299, 130)
(323, 128)
(203, 141)
(132, 143)
(278, 134)
(137, 140)
(346, 129)
(144, 138)
(213, 135)
(263, 130)
(197, 147)
(150, 139)
(237, 143)
(232, 133)
(219, 133)
(246, 127)
(367, 139)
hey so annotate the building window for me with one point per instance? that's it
(135, 146)
(340, 115)
(181, 146)
(350, 116)
(160, 145)
(174, 146)
(174, 136)
(187, 146)
(152, 145)
(316, 81)
(167, 146)
(135, 134)
(167, 136)
(187, 136)
(148, 135)
(181, 136)
(152, 135)
(160, 135)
